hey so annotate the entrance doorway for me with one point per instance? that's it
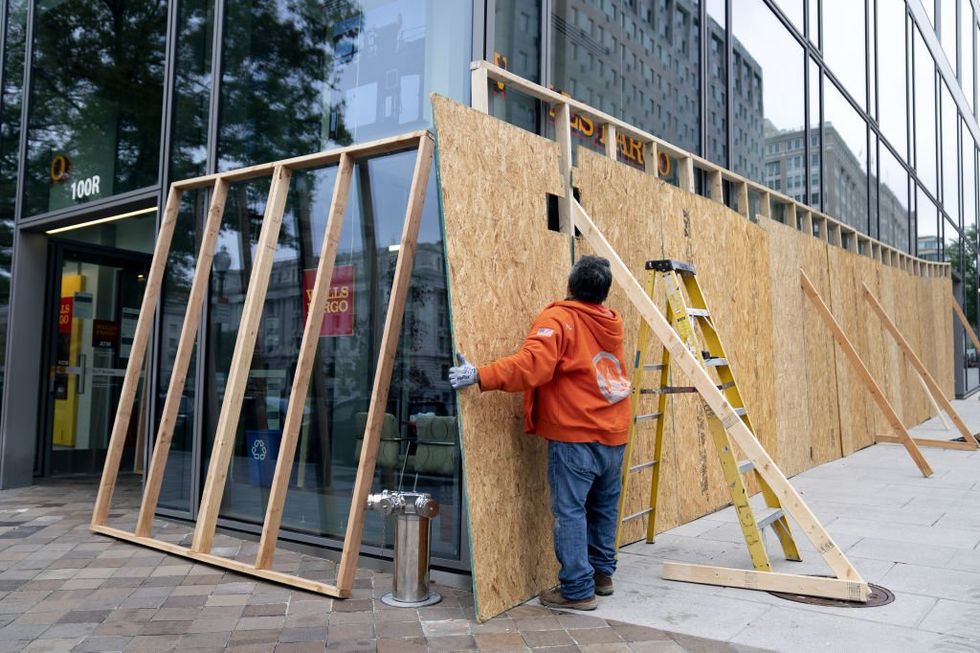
(94, 301)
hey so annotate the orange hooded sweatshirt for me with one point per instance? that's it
(573, 373)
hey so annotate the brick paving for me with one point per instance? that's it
(63, 588)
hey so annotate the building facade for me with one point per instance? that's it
(871, 119)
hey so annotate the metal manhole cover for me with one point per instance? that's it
(879, 596)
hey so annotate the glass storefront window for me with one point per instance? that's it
(640, 65)
(792, 9)
(343, 71)
(927, 244)
(947, 28)
(844, 45)
(716, 112)
(969, 172)
(517, 47)
(192, 89)
(968, 61)
(767, 93)
(893, 201)
(845, 153)
(926, 132)
(11, 95)
(814, 133)
(96, 101)
(893, 94)
(950, 155)
(419, 445)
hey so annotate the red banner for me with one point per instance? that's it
(64, 315)
(338, 314)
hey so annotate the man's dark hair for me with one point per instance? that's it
(590, 279)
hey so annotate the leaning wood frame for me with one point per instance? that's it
(204, 529)
(847, 583)
(901, 433)
(931, 386)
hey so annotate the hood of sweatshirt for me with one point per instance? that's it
(602, 322)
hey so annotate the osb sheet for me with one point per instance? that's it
(646, 219)
(504, 268)
(847, 273)
(807, 421)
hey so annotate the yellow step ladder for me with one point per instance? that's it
(687, 312)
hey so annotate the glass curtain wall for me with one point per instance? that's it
(11, 94)
(96, 101)
(348, 72)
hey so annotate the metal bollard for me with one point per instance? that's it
(413, 512)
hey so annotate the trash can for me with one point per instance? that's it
(413, 513)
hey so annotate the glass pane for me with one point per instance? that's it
(967, 59)
(927, 227)
(192, 89)
(345, 72)
(640, 65)
(873, 230)
(768, 91)
(969, 183)
(94, 124)
(97, 307)
(716, 147)
(844, 45)
(893, 95)
(926, 131)
(517, 47)
(792, 9)
(813, 23)
(893, 201)
(947, 28)
(845, 153)
(950, 155)
(419, 433)
(815, 166)
(10, 108)
(952, 244)
(179, 273)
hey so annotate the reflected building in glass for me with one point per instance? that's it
(864, 110)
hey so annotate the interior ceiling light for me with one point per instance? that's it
(111, 218)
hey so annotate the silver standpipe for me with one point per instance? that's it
(413, 513)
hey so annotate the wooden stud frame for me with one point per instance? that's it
(687, 163)
(227, 427)
(901, 433)
(847, 582)
(920, 368)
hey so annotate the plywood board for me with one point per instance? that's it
(646, 219)
(504, 268)
(857, 422)
(807, 420)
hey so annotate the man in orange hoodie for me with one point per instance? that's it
(573, 373)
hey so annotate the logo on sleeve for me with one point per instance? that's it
(546, 332)
(609, 376)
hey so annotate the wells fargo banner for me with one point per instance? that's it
(338, 316)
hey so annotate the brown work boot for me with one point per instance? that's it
(603, 584)
(554, 599)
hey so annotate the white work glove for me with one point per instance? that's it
(463, 375)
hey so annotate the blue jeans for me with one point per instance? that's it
(585, 480)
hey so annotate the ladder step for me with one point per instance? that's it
(726, 386)
(646, 418)
(650, 367)
(770, 517)
(636, 515)
(745, 466)
(740, 412)
(641, 466)
(698, 312)
(716, 362)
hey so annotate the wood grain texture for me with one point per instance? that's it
(504, 268)
(646, 219)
